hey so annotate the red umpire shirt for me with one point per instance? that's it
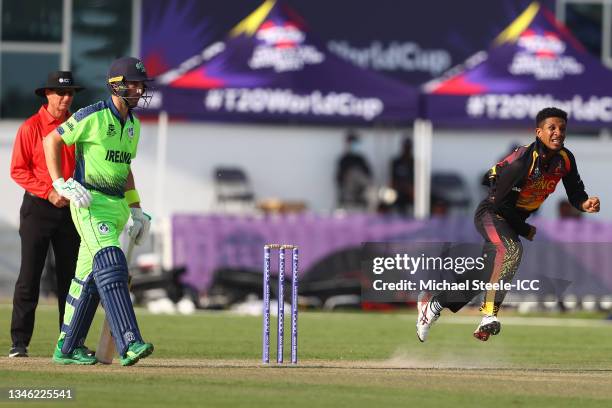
(42, 224)
(28, 165)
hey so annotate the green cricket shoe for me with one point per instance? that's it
(80, 355)
(135, 352)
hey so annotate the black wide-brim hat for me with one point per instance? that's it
(59, 80)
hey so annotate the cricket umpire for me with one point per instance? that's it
(44, 217)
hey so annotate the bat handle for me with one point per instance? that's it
(131, 243)
(130, 251)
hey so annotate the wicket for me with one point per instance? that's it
(281, 303)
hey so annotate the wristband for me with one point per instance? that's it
(131, 197)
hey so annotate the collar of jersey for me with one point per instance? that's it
(49, 119)
(109, 103)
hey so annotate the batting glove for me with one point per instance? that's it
(73, 191)
(141, 223)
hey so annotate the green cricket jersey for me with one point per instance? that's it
(105, 146)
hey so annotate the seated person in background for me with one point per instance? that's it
(353, 175)
(402, 178)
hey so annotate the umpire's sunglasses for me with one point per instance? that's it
(64, 92)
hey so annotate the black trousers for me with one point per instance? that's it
(41, 224)
(502, 252)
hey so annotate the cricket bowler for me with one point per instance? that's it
(518, 185)
(102, 196)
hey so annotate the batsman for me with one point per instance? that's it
(102, 195)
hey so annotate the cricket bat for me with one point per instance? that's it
(106, 344)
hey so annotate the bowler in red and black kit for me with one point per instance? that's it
(518, 185)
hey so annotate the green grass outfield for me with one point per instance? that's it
(346, 360)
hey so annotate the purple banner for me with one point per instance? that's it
(533, 64)
(391, 37)
(271, 67)
(205, 244)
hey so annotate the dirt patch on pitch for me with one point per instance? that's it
(399, 362)
(368, 377)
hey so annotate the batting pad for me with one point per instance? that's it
(111, 275)
(84, 310)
